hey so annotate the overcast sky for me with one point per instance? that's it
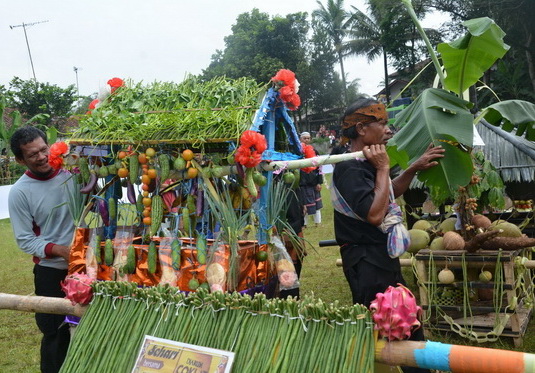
(144, 40)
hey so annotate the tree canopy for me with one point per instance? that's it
(32, 98)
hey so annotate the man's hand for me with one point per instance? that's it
(377, 156)
(63, 251)
(428, 159)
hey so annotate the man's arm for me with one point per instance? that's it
(427, 160)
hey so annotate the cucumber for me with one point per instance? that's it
(130, 266)
(175, 254)
(108, 252)
(112, 208)
(152, 257)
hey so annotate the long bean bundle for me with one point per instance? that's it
(192, 111)
(267, 335)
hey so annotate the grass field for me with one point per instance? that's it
(20, 336)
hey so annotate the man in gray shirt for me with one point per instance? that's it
(43, 228)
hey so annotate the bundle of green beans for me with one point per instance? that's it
(267, 335)
(193, 110)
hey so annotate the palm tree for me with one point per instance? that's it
(334, 19)
(387, 30)
(366, 37)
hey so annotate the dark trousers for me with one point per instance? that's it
(56, 334)
(366, 280)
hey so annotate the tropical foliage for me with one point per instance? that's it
(441, 116)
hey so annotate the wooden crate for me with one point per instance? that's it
(482, 313)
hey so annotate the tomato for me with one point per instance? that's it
(145, 193)
(122, 172)
(147, 220)
(145, 179)
(192, 172)
(147, 201)
(142, 158)
(151, 173)
(145, 187)
(150, 152)
(187, 155)
(122, 154)
(146, 212)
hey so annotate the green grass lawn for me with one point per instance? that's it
(320, 276)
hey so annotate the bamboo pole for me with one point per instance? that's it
(33, 303)
(430, 355)
(529, 264)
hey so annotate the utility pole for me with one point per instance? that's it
(77, 86)
(24, 25)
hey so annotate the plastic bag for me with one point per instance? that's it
(284, 265)
(169, 274)
(123, 238)
(217, 267)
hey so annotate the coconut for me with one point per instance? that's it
(446, 276)
(453, 241)
(509, 230)
(419, 240)
(437, 244)
(485, 276)
(481, 221)
(422, 225)
(447, 225)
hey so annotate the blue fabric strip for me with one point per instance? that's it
(435, 355)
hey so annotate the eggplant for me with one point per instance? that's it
(130, 192)
(91, 184)
(199, 204)
(103, 210)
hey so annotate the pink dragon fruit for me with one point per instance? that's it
(77, 288)
(395, 313)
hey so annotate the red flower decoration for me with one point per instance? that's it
(115, 83)
(93, 104)
(55, 156)
(252, 145)
(309, 152)
(287, 86)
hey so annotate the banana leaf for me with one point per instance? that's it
(441, 118)
(467, 58)
(513, 115)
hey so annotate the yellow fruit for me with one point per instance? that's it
(509, 230)
(447, 225)
(437, 244)
(150, 152)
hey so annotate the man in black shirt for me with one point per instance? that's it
(364, 186)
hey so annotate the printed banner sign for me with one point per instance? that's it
(166, 356)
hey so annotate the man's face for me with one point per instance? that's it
(376, 133)
(35, 157)
(305, 139)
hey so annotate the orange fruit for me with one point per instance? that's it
(145, 179)
(147, 201)
(192, 172)
(122, 154)
(142, 158)
(151, 173)
(122, 172)
(146, 213)
(147, 220)
(150, 152)
(187, 155)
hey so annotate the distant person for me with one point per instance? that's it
(43, 228)
(310, 184)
